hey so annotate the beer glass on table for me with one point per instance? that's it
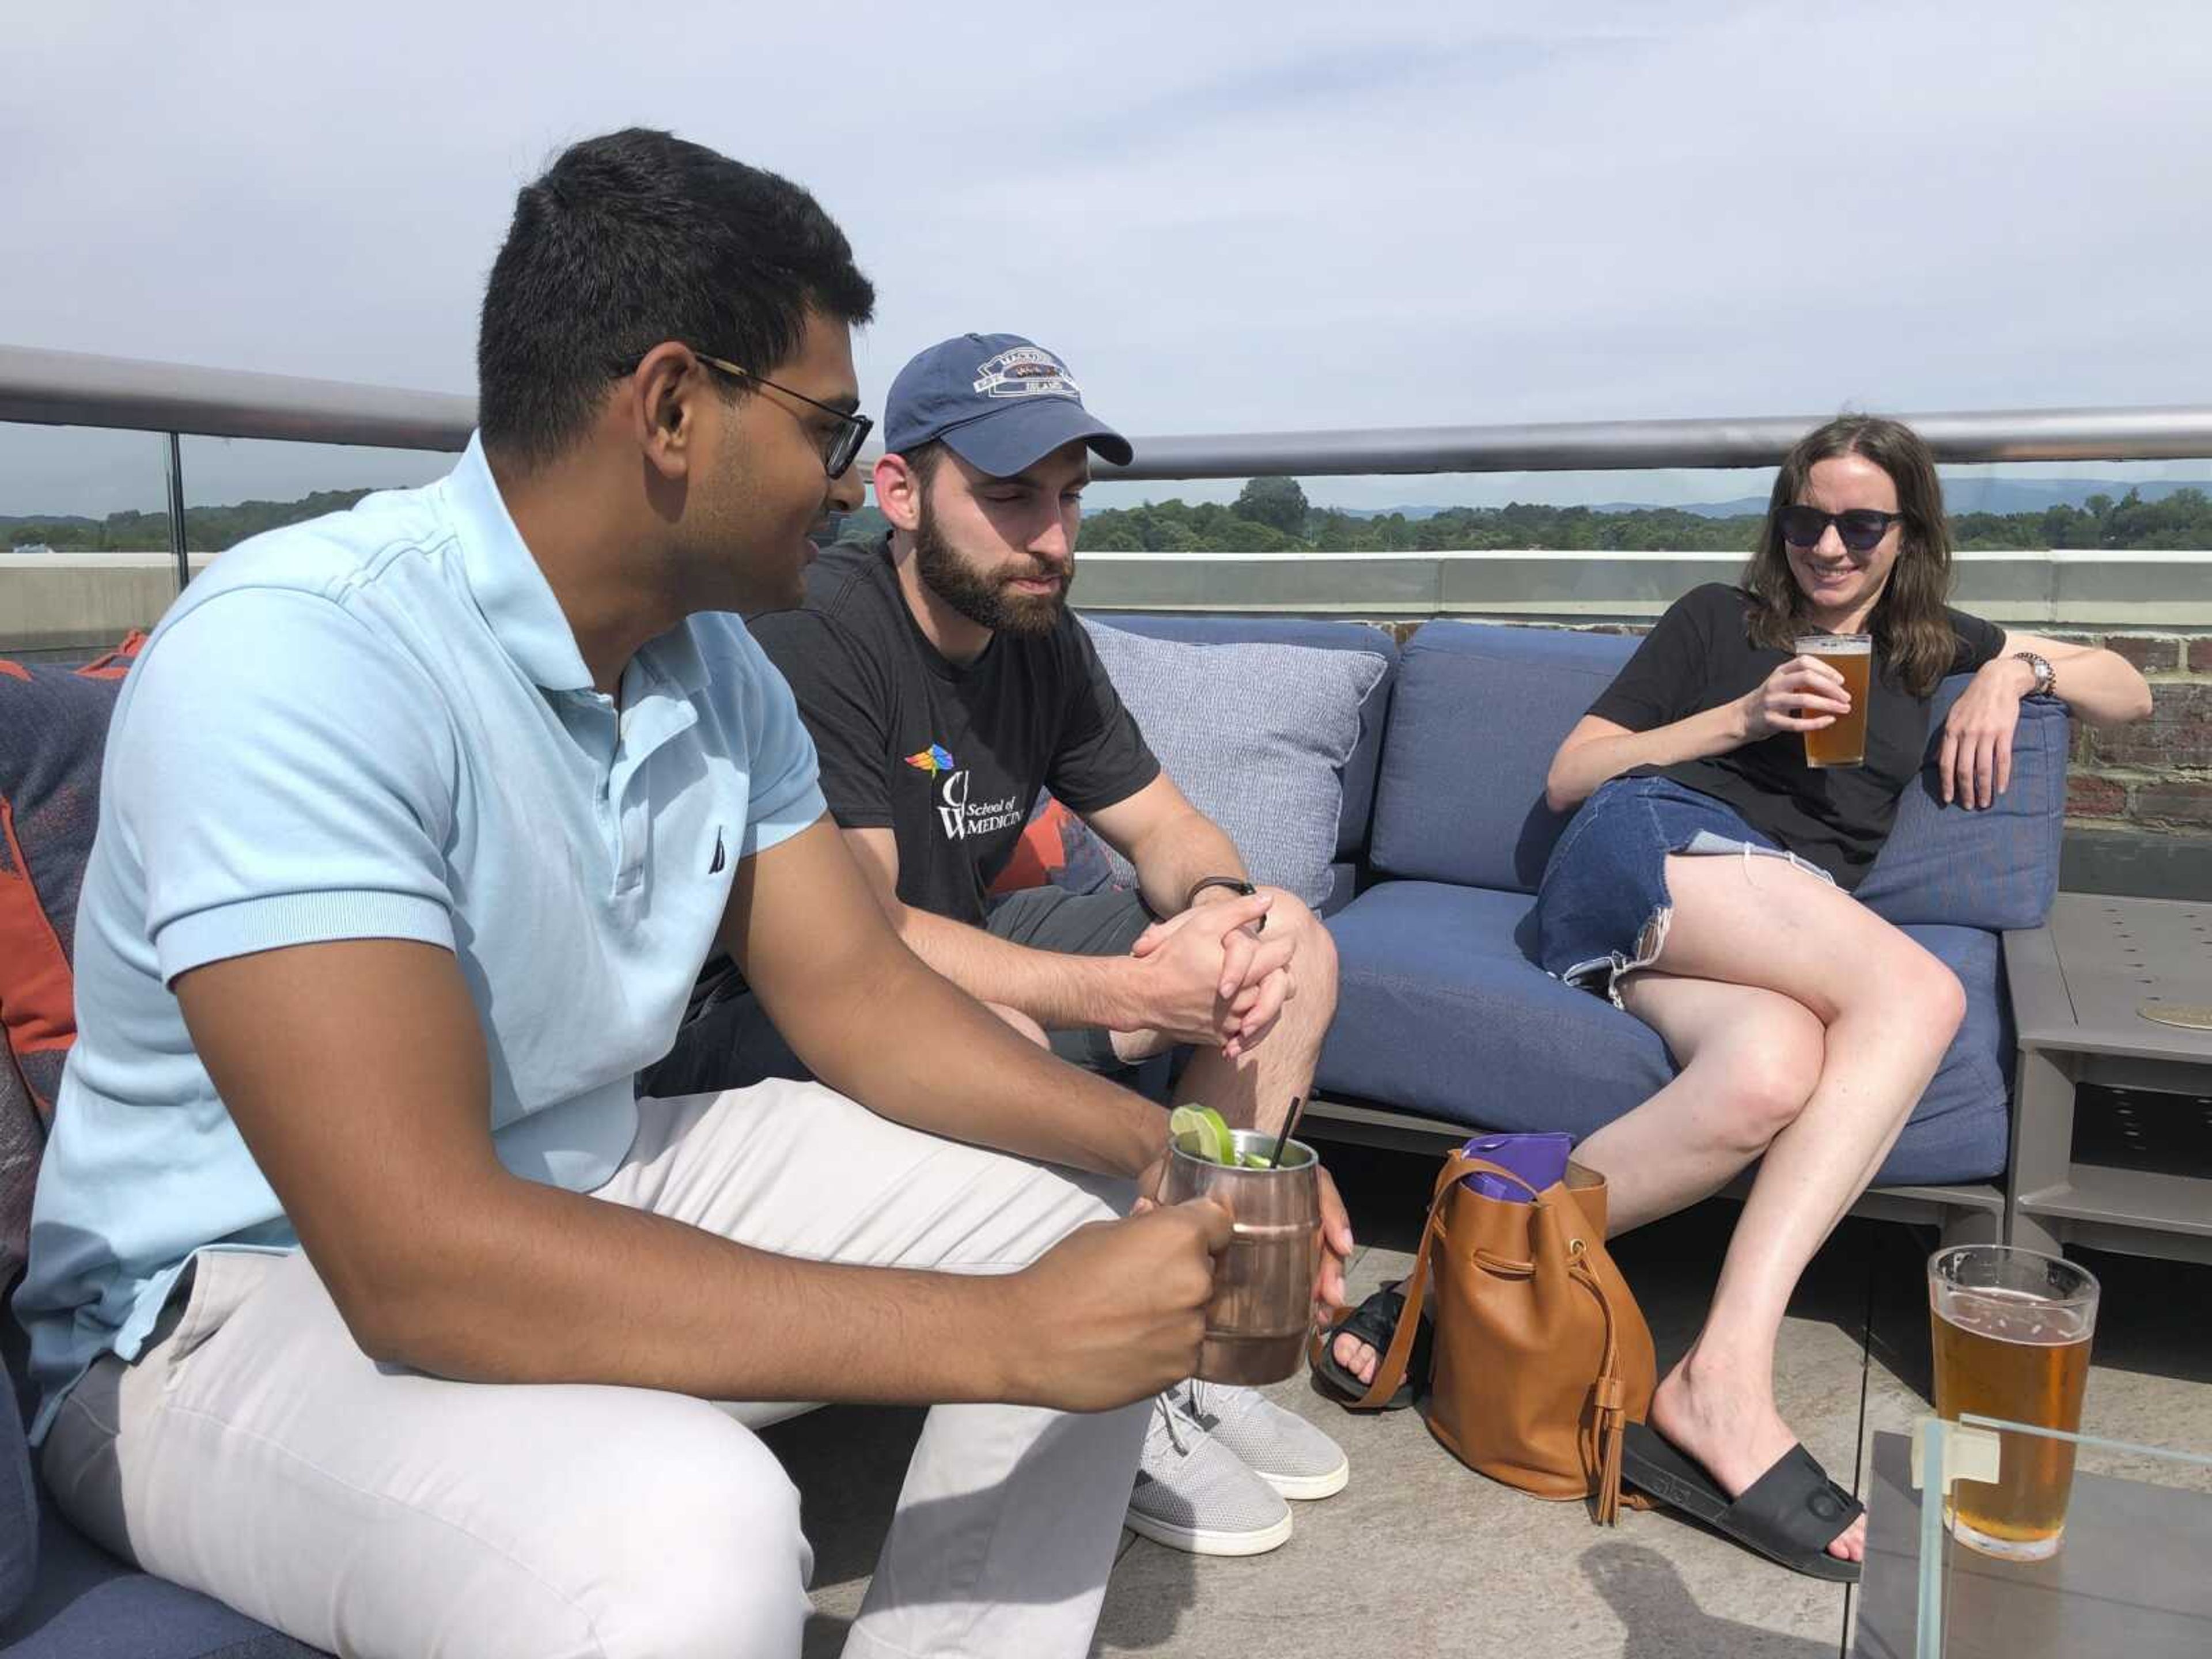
(2012, 1331)
(1850, 655)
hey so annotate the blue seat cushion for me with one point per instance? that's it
(88, 1605)
(1359, 771)
(1441, 1011)
(19, 1501)
(1996, 868)
(1478, 712)
(82, 1603)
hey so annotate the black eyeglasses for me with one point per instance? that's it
(1861, 529)
(852, 430)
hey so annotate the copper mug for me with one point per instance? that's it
(1263, 1283)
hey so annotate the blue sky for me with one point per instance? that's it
(1232, 216)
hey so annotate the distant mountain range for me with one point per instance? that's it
(1959, 495)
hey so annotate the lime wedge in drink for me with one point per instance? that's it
(1258, 1160)
(1203, 1133)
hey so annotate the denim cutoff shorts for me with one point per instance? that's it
(1603, 907)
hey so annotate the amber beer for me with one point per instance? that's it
(1851, 655)
(2012, 1331)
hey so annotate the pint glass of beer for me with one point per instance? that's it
(1851, 655)
(2012, 1342)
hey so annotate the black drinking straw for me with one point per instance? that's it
(1283, 1138)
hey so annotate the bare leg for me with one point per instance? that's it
(1021, 1023)
(1255, 1091)
(1749, 1059)
(1890, 1009)
(1751, 941)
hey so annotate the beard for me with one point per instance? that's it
(985, 599)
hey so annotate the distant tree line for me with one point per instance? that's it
(207, 529)
(1273, 515)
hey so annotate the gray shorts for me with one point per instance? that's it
(728, 1042)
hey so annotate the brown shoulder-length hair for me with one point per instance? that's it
(1913, 635)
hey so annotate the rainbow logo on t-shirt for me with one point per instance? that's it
(932, 760)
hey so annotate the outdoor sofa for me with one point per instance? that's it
(1443, 1025)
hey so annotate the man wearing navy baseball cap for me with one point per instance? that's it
(946, 682)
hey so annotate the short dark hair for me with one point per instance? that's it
(636, 238)
(922, 460)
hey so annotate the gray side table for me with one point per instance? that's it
(2079, 984)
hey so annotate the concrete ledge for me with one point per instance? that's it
(62, 599)
(2076, 590)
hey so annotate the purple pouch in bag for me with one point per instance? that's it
(1539, 1159)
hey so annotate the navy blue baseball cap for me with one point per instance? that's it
(1000, 402)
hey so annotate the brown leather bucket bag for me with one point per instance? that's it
(1542, 1356)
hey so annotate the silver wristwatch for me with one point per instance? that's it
(2045, 676)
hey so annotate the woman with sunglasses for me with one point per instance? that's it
(1704, 885)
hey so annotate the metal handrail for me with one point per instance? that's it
(2179, 433)
(65, 388)
(75, 388)
(71, 388)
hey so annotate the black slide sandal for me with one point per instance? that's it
(1373, 1323)
(1789, 1514)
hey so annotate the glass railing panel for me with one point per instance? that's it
(2030, 506)
(82, 490)
(84, 538)
(235, 487)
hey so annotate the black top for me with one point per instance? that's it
(948, 758)
(1700, 656)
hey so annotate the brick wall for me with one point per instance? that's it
(2154, 777)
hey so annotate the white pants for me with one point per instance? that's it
(254, 1453)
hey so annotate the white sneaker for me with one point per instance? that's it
(1193, 1494)
(1285, 1450)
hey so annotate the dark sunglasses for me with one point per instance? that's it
(845, 438)
(1861, 529)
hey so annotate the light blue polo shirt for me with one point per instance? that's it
(378, 726)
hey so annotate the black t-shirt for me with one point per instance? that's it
(1700, 656)
(948, 758)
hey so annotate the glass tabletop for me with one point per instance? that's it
(2082, 1544)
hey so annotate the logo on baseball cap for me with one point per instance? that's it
(999, 401)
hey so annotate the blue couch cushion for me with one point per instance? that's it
(1961, 1130)
(1478, 712)
(1998, 868)
(82, 1603)
(1258, 734)
(1441, 1012)
(1359, 771)
(88, 1605)
(19, 1504)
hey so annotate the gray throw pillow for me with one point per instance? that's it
(1256, 735)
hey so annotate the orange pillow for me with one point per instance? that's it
(1056, 848)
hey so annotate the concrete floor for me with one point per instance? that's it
(1421, 1556)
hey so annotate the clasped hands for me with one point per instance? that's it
(1212, 975)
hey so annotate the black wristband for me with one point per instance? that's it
(1238, 884)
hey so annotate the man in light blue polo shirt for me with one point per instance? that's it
(417, 823)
